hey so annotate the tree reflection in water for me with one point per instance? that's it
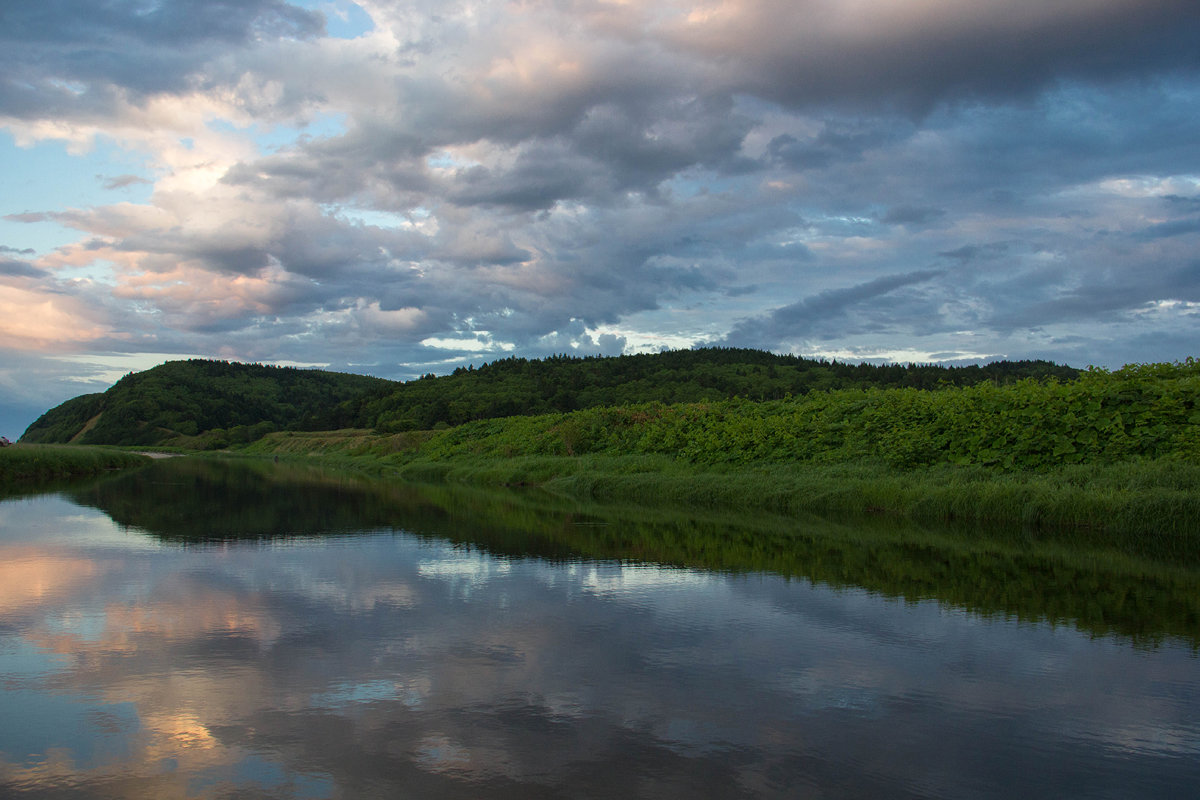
(246, 631)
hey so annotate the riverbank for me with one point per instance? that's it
(1159, 498)
(29, 467)
(1118, 452)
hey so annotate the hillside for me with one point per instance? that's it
(1109, 451)
(211, 404)
(181, 399)
(1149, 411)
(518, 386)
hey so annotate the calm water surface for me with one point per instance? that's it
(191, 635)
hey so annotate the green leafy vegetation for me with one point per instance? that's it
(210, 405)
(1139, 412)
(1148, 502)
(1004, 444)
(1114, 451)
(200, 405)
(518, 386)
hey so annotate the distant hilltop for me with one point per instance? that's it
(203, 404)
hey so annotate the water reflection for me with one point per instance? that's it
(1143, 588)
(382, 663)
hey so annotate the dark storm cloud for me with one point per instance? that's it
(1187, 203)
(662, 252)
(912, 215)
(973, 252)
(1178, 227)
(679, 134)
(620, 143)
(540, 178)
(594, 139)
(474, 267)
(838, 141)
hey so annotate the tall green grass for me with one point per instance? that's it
(1158, 499)
(26, 466)
(1144, 498)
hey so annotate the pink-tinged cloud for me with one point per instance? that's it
(32, 319)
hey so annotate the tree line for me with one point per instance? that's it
(206, 404)
(519, 386)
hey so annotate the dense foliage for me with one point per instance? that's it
(228, 402)
(212, 404)
(1114, 451)
(1141, 411)
(518, 386)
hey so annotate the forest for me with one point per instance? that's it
(180, 401)
(519, 386)
(201, 404)
(1138, 412)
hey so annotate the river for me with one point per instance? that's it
(211, 630)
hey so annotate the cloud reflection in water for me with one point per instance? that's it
(373, 664)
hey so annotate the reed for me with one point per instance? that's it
(1159, 499)
(24, 466)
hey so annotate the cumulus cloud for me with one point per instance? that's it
(78, 57)
(32, 319)
(914, 55)
(19, 269)
(877, 179)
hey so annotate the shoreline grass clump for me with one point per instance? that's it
(24, 466)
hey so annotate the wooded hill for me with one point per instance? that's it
(518, 386)
(179, 401)
(211, 404)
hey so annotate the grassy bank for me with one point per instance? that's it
(25, 467)
(1118, 451)
(1159, 498)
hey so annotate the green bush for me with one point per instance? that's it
(1141, 411)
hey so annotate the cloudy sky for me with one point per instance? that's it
(396, 188)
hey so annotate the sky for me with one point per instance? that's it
(396, 188)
